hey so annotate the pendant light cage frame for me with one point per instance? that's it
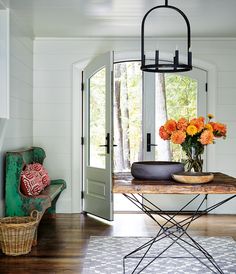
(165, 66)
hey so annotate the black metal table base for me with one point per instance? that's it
(174, 230)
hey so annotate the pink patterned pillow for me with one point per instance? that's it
(31, 183)
(42, 172)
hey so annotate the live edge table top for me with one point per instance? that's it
(221, 184)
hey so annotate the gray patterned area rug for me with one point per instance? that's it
(105, 256)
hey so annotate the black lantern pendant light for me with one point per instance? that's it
(156, 65)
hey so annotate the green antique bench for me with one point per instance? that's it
(16, 203)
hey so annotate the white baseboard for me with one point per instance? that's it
(63, 206)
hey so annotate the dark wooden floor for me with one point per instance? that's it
(63, 239)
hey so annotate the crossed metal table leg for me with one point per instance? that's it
(174, 230)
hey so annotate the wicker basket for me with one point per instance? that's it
(17, 233)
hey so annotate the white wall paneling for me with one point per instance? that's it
(53, 70)
(17, 131)
(53, 95)
(48, 129)
(61, 112)
(54, 79)
(4, 63)
(226, 96)
(21, 90)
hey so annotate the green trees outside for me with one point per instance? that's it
(176, 96)
(127, 114)
(181, 101)
(181, 96)
(97, 134)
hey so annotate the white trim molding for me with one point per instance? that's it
(77, 133)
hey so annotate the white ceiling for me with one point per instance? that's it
(114, 18)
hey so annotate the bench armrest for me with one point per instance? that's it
(59, 182)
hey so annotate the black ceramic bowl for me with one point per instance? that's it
(155, 170)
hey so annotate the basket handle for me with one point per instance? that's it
(35, 214)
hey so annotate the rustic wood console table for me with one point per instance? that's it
(175, 230)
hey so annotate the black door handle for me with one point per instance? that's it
(149, 142)
(107, 145)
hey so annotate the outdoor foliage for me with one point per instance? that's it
(128, 85)
(97, 119)
(181, 101)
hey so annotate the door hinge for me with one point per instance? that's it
(82, 86)
(206, 87)
(82, 194)
(82, 141)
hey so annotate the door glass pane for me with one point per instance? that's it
(97, 121)
(127, 115)
(176, 97)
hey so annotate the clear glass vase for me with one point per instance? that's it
(194, 160)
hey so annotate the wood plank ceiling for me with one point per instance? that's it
(122, 18)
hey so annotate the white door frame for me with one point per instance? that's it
(76, 126)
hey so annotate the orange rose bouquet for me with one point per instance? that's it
(193, 135)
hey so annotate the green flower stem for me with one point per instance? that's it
(194, 161)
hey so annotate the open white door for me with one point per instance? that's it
(98, 139)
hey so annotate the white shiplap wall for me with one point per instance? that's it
(53, 60)
(17, 132)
